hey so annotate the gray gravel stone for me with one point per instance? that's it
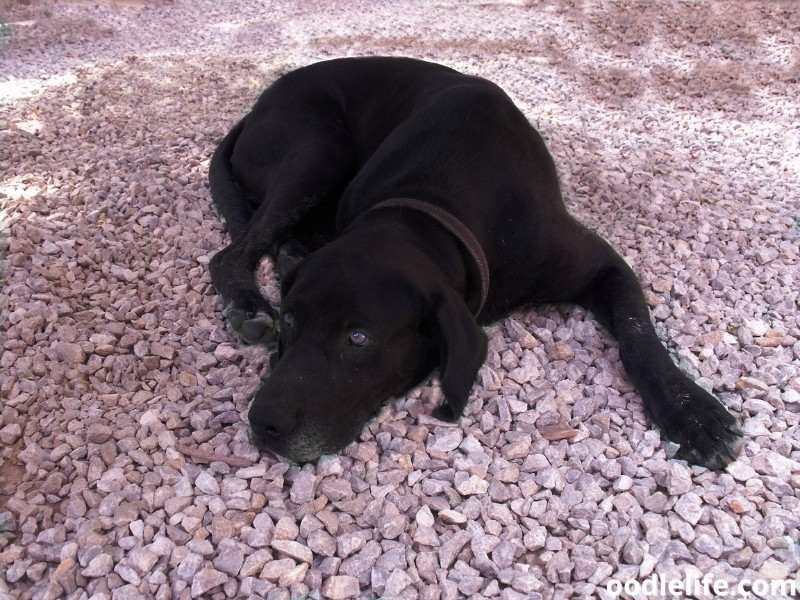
(207, 483)
(10, 433)
(689, 507)
(273, 570)
(322, 543)
(230, 558)
(255, 562)
(773, 570)
(188, 567)
(293, 576)
(391, 527)
(206, 580)
(341, 587)
(142, 559)
(303, 487)
(360, 564)
(396, 583)
(707, 544)
(633, 552)
(467, 485)
(349, 543)
(286, 528)
(679, 479)
(293, 550)
(451, 547)
(445, 441)
(99, 566)
(775, 465)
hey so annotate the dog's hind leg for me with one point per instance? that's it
(685, 413)
(229, 198)
(303, 168)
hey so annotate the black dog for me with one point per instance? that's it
(405, 204)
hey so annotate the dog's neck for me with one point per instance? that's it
(480, 266)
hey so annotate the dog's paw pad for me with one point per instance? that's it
(257, 329)
(252, 327)
(708, 434)
(717, 456)
(715, 439)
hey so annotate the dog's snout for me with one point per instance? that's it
(271, 424)
(269, 431)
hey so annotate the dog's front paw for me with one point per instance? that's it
(708, 434)
(253, 320)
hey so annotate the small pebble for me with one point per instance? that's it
(206, 580)
(340, 587)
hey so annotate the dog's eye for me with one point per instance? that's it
(288, 319)
(358, 338)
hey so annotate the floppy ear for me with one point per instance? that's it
(462, 350)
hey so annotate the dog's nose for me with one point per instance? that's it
(270, 425)
(268, 431)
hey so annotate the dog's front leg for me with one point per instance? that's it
(246, 310)
(684, 412)
(293, 165)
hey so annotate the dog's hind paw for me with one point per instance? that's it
(252, 328)
(708, 434)
(255, 324)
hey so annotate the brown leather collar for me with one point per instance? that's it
(462, 233)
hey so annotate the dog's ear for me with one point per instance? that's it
(462, 350)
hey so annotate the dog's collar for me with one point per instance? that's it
(462, 233)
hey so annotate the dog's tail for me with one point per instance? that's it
(228, 197)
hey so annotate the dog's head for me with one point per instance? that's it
(358, 328)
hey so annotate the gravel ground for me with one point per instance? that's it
(125, 470)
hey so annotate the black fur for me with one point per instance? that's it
(296, 179)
